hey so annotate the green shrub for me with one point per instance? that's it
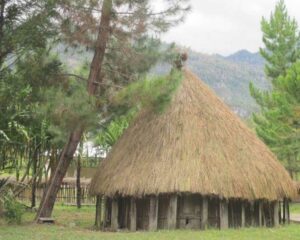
(13, 210)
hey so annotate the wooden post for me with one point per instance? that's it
(264, 220)
(243, 217)
(104, 217)
(252, 212)
(288, 211)
(98, 213)
(223, 214)
(279, 214)
(172, 212)
(153, 213)
(114, 215)
(127, 209)
(204, 213)
(260, 213)
(283, 211)
(275, 215)
(132, 215)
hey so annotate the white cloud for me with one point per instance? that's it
(225, 26)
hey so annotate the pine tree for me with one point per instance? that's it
(275, 124)
(123, 21)
(24, 25)
(281, 40)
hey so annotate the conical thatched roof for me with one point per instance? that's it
(196, 145)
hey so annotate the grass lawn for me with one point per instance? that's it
(73, 224)
(295, 208)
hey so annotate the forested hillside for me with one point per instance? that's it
(230, 77)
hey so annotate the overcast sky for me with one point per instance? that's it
(226, 26)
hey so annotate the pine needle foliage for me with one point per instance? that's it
(68, 107)
(153, 92)
(281, 40)
(278, 122)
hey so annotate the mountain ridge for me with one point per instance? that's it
(229, 77)
(246, 56)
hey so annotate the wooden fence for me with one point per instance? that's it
(67, 194)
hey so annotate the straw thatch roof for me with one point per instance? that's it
(197, 145)
(297, 186)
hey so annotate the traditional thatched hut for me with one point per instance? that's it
(192, 166)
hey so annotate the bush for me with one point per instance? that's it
(13, 210)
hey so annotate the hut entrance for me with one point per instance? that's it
(189, 211)
(142, 209)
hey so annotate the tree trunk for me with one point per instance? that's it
(17, 167)
(2, 8)
(78, 170)
(48, 200)
(34, 171)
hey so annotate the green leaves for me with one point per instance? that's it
(109, 134)
(68, 107)
(19, 129)
(25, 26)
(3, 135)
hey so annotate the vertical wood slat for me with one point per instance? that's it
(204, 213)
(260, 213)
(275, 214)
(243, 216)
(264, 220)
(104, 208)
(280, 213)
(132, 215)
(98, 213)
(172, 212)
(153, 213)
(223, 214)
(114, 214)
(288, 211)
(252, 210)
(127, 212)
(283, 211)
